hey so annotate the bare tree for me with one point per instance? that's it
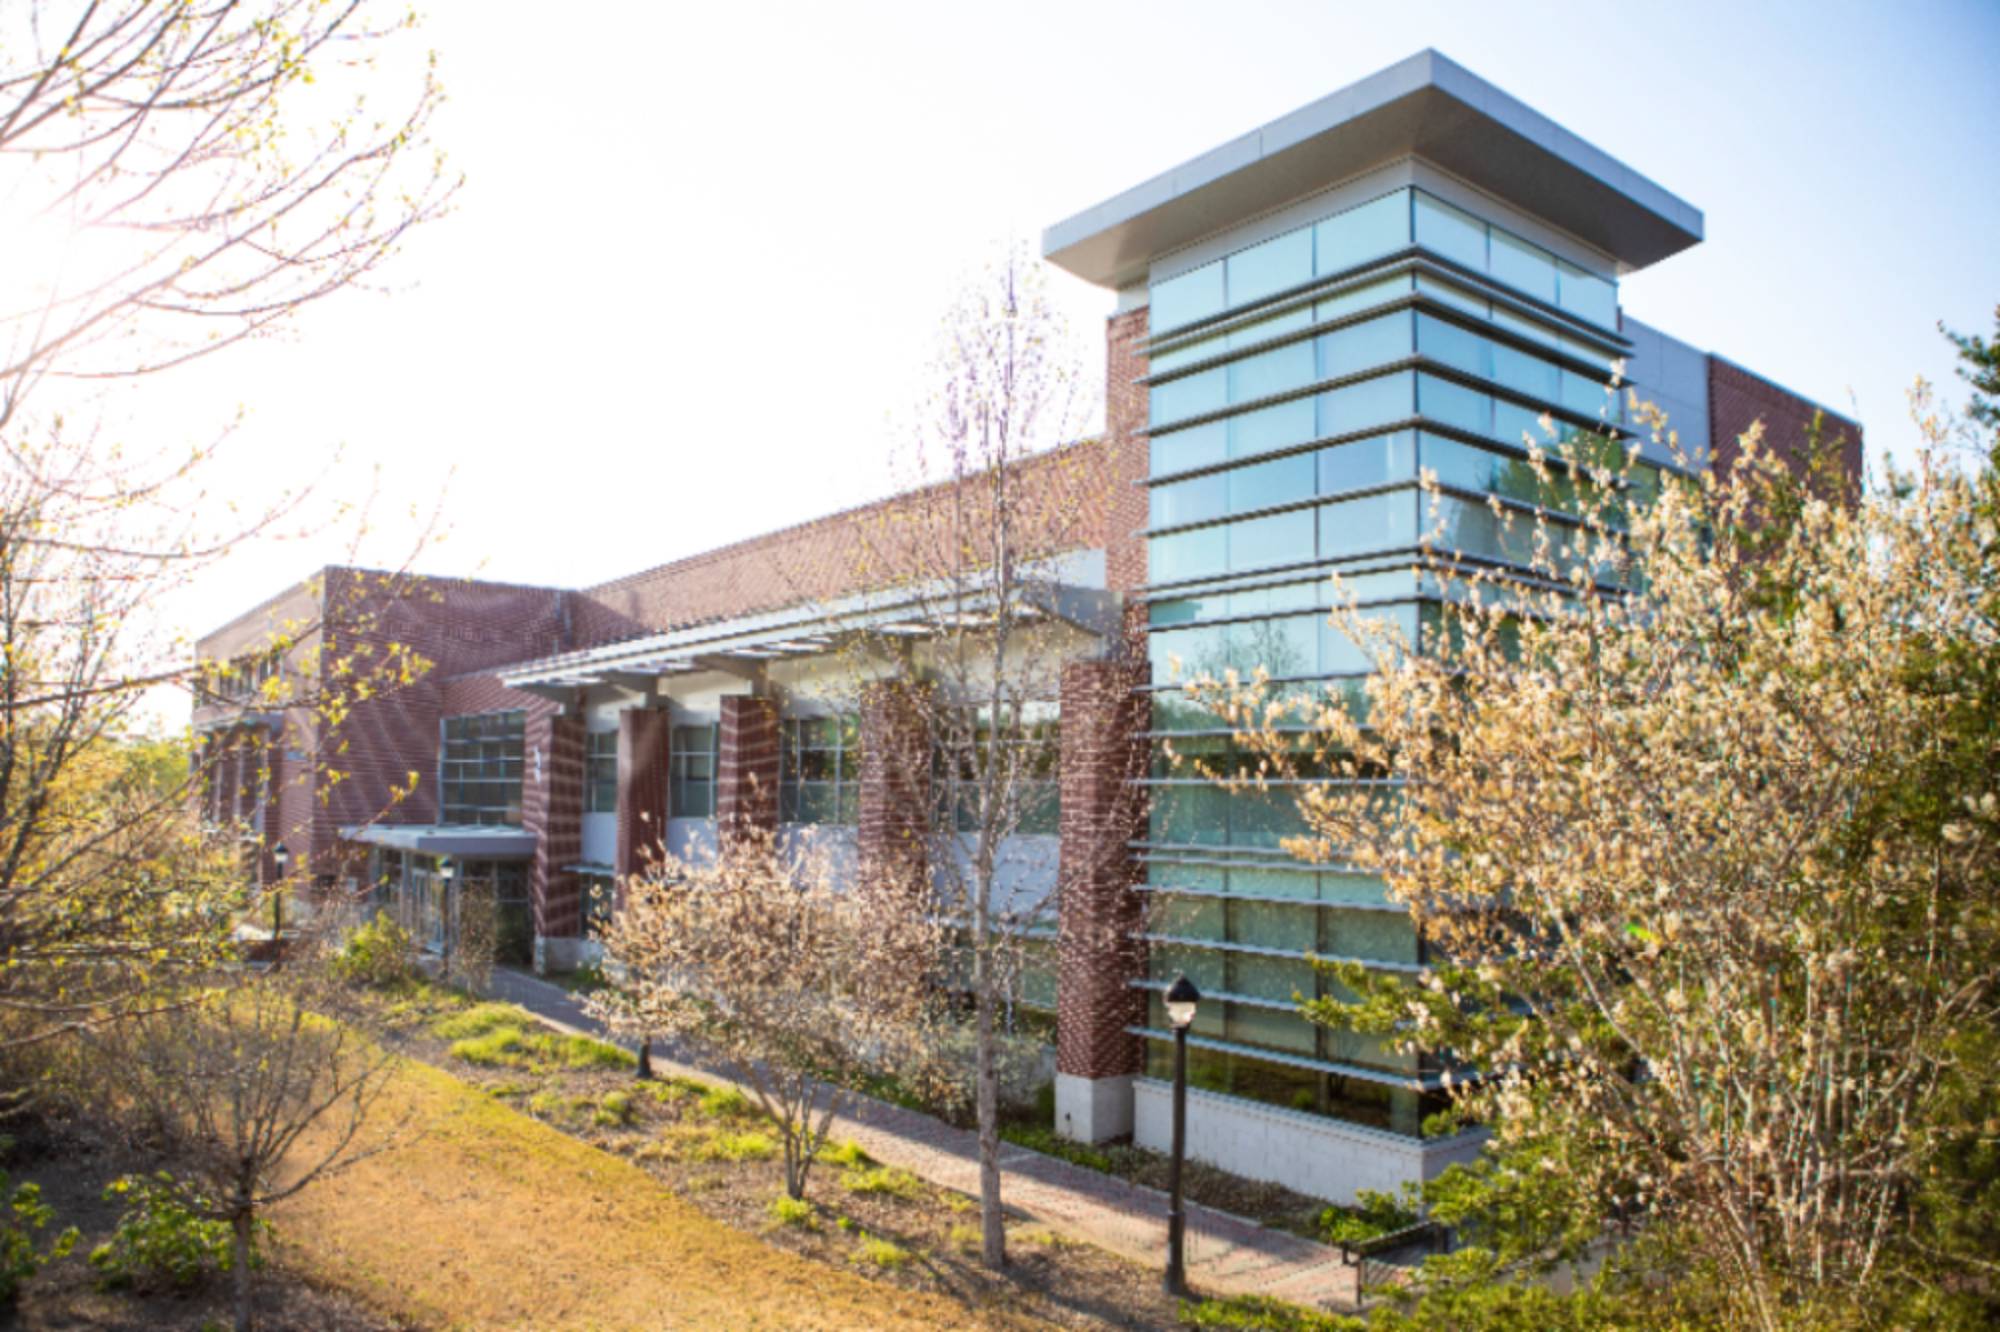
(175, 177)
(987, 559)
(801, 988)
(255, 1093)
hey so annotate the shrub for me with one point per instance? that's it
(614, 1110)
(584, 1052)
(881, 1253)
(1376, 1214)
(377, 953)
(1045, 1140)
(726, 1103)
(162, 1239)
(846, 1155)
(482, 1020)
(883, 1181)
(24, 1216)
(1260, 1313)
(738, 1147)
(793, 1212)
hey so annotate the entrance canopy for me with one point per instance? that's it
(465, 841)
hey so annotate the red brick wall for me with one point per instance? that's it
(552, 809)
(1103, 809)
(643, 739)
(746, 768)
(892, 839)
(1127, 448)
(1737, 398)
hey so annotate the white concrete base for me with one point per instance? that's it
(565, 954)
(1309, 1154)
(1093, 1109)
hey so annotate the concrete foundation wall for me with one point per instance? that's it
(1310, 1154)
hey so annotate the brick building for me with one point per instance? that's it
(1410, 273)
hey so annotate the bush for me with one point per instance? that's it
(162, 1239)
(881, 1253)
(738, 1147)
(1259, 1313)
(1377, 1214)
(726, 1103)
(847, 1155)
(793, 1212)
(614, 1110)
(377, 953)
(23, 1218)
(883, 1181)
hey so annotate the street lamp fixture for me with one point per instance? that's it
(281, 859)
(1181, 999)
(447, 913)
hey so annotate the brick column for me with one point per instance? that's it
(642, 789)
(746, 766)
(553, 809)
(1103, 810)
(895, 816)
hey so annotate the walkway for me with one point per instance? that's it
(1225, 1254)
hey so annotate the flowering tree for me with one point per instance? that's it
(1000, 490)
(801, 987)
(1711, 915)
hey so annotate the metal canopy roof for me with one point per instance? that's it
(446, 839)
(745, 645)
(1427, 107)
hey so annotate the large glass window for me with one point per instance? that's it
(819, 777)
(1376, 228)
(1269, 268)
(480, 767)
(691, 757)
(600, 773)
(1035, 792)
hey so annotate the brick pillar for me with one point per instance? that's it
(746, 766)
(895, 816)
(1103, 754)
(554, 811)
(642, 789)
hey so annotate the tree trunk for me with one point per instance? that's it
(242, 1222)
(993, 1231)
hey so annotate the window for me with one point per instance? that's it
(693, 781)
(600, 773)
(819, 776)
(479, 768)
(1036, 792)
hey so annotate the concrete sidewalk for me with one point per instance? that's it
(1225, 1254)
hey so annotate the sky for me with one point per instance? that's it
(694, 275)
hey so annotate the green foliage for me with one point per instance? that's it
(1378, 1214)
(614, 1110)
(726, 1103)
(883, 1181)
(508, 1036)
(793, 1212)
(737, 1147)
(481, 1020)
(1259, 1313)
(1037, 1138)
(166, 1237)
(881, 1253)
(21, 1222)
(846, 1155)
(378, 954)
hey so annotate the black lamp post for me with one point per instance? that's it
(447, 871)
(1181, 1000)
(280, 859)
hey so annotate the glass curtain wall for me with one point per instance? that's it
(1299, 388)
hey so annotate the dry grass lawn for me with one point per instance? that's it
(492, 1219)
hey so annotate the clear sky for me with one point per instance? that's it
(702, 249)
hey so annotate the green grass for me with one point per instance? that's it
(881, 1253)
(508, 1036)
(1260, 1313)
(883, 1182)
(793, 1212)
(846, 1155)
(614, 1110)
(737, 1147)
(668, 1090)
(726, 1103)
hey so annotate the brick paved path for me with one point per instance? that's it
(1226, 1254)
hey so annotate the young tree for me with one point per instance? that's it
(174, 178)
(256, 1094)
(1713, 922)
(802, 988)
(980, 555)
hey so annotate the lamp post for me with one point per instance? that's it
(447, 871)
(1181, 1000)
(280, 859)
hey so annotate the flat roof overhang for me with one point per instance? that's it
(446, 839)
(1427, 107)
